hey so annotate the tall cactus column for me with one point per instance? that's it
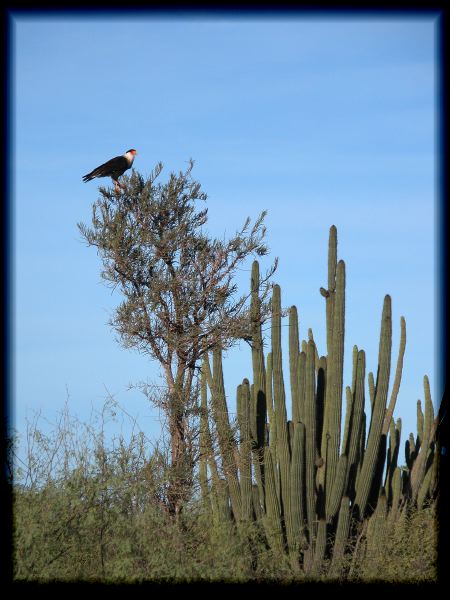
(335, 366)
(352, 447)
(259, 401)
(311, 449)
(224, 432)
(294, 351)
(332, 410)
(283, 452)
(364, 483)
(243, 412)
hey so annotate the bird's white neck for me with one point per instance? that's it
(129, 156)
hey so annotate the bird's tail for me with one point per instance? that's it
(98, 172)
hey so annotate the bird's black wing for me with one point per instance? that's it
(108, 168)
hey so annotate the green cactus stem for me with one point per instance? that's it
(283, 452)
(298, 512)
(243, 413)
(398, 377)
(270, 408)
(319, 547)
(420, 424)
(381, 389)
(259, 378)
(355, 439)
(341, 539)
(310, 446)
(272, 520)
(329, 293)
(339, 485)
(294, 350)
(371, 382)
(393, 452)
(224, 432)
(301, 366)
(419, 468)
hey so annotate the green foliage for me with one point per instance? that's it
(95, 515)
(277, 499)
(179, 295)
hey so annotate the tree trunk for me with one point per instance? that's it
(180, 479)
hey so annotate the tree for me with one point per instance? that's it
(179, 291)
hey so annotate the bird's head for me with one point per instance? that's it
(132, 152)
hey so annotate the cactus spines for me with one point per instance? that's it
(381, 389)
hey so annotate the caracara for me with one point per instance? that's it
(114, 168)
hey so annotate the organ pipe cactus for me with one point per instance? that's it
(310, 441)
(294, 351)
(259, 379)
(296, 475)
(225, 434)
(370, 461)
(333, 402)
(283, 450)
(243, 411)
(341, 539)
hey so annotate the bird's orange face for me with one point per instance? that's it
(133, 152)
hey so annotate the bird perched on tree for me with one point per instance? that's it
(114, 168)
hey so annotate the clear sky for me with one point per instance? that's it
(320, 121)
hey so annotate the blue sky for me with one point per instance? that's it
(320, 121)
